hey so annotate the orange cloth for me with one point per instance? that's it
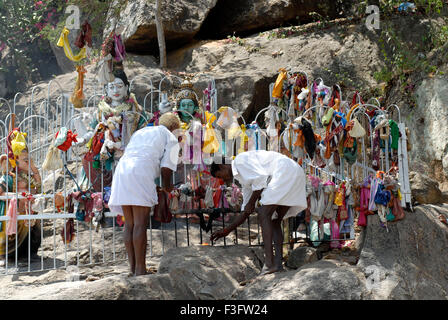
(300, 141)
(78, 94)
(278, 87)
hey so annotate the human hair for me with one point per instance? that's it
(217, 166)
(119, 73)
(214, 168)
(170, 120)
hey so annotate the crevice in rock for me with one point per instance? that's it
(260, 100)
(240, 18)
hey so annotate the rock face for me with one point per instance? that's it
(301, 256)
(409, 261)
(3, 85)
(321, 280)
(248, 16)
(424, 189)
(193, 273)
(209, 273)
(210, 19)
(430, 119)
(181, 21)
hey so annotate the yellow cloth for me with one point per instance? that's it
(243, 140)
(63, 42)
(18, 143)
(211, 144)
(351, 110)
(278, 87)
(339, 198)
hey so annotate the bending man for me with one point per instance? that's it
(151, 151)
(279, 183)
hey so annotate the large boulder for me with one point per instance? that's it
(209, 19)
(424, 189)
(321, 280)
(428, 124)
(182, 20)
(408, 260)
(210, 272)
(192, 273)
(248, 16)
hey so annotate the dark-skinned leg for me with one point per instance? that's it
(128, 236)
(265, 219)
(278, 237)
(141, 218)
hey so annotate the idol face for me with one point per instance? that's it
(117, 90)
(186, 109)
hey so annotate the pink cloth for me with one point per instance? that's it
(11, 227)
(97, 202)
(314, 181)
(236, 193)
(334, 234)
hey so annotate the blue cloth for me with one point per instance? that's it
(382, 196)
(348, 222)
(405, 6)
(342, 115)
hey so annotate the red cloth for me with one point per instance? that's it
(71, 137)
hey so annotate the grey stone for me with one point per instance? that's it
(301, 256)
(321, 280)
(424, 189)
(249, 16)
(408, 261)
(181, 21)
(208, 272)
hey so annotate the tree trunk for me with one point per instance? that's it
(160, 34)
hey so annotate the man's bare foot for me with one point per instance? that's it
(265, 270)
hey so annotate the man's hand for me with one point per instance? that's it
(219, 234)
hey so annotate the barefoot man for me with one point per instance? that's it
(279, 183)
(151, 152)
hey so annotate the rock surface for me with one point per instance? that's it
(193, 273)
(408, 262)
(181, 21)
(248, 16)
(321, 280)
(424, 189)
(209, 19)
(301, 256)
(429, 132)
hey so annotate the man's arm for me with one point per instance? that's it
(248, 209)
(167, 175)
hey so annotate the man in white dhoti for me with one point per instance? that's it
(279, 183)
(151, 151)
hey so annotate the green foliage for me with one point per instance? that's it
(27, 24)
(322, 21)
(241, 42)
(384, 75)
